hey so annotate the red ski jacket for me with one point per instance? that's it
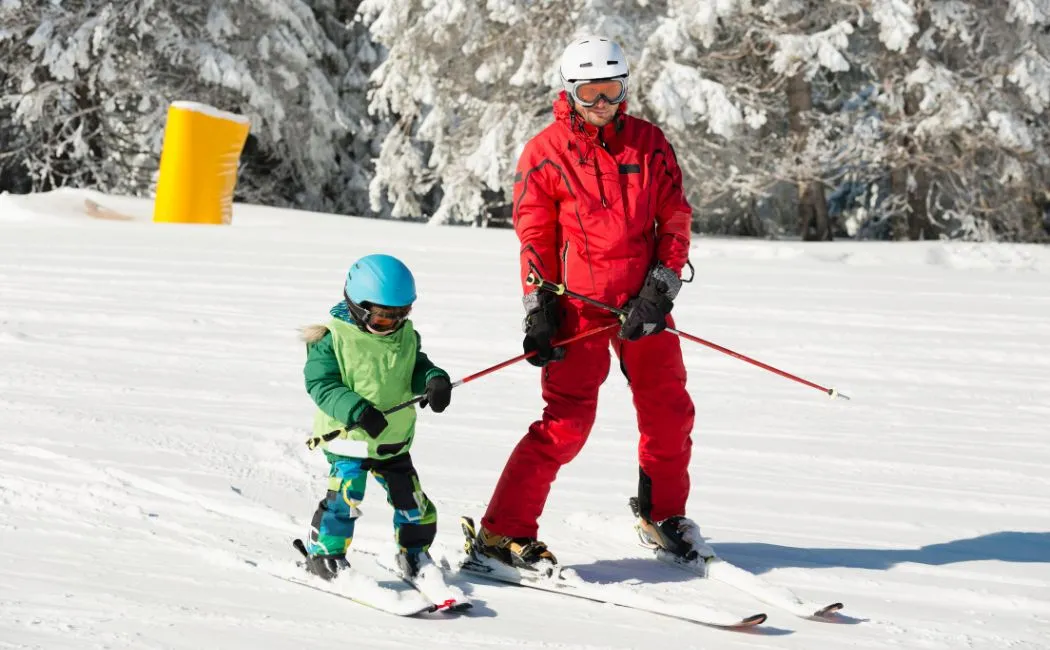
(595, 209)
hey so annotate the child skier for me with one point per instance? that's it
(367, 359)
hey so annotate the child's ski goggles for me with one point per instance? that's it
(379, 319)
(587, 93)
(385, 319)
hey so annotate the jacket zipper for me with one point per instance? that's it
(565, 265)
(601, 183)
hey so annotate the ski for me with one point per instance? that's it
(565, 581)
(360, 589)
(729, 574)
(430, 582)
(719, 570)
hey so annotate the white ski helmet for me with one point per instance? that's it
(591, 58)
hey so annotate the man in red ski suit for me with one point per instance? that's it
(598, 206)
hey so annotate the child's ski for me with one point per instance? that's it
(430, 581)
(361, 589)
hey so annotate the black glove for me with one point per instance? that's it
(541, 324)
(372, 421)
(438, 394)
(647, 312)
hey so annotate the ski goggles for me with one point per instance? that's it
(383, 320)
(587, 93)
(380, 319)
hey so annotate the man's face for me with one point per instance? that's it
(598, 115)
(604, 97)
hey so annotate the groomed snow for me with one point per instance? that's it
(152, 418)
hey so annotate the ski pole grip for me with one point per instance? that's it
(546, 285)
(314, 442)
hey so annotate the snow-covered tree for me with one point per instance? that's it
(463, 84)
(90, 82)
(752, 76)
(964, 92)
(468, 82)
(930, 114)
(862, 118)
(360, 145)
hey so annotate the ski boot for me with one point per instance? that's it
(678, 535)
(325, 567)
(412, 564)
(418, 569)
(519, 552)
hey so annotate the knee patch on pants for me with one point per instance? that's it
(415, 516)
(352, 500)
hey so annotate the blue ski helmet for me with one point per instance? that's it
(381, 280)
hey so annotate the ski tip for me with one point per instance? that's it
(301, 547)
(452, 606)
(824, 612)
(751, 621)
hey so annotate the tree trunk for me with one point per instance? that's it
(812, 204)
(910, 180)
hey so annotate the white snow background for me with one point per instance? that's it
(152, 419)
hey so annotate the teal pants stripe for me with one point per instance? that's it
(415, 517)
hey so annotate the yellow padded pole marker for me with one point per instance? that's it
(198, 164)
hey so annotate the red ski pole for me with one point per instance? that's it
(522, 357)
(562, 291)
(332, 435)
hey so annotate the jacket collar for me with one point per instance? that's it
(565, 114)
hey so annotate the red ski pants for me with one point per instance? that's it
(656, 374)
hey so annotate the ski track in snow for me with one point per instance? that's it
(152, 417)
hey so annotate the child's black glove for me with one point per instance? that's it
(438, 394)
(372, 421)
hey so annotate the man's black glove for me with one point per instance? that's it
(372, 421)
(541, 324)
(647, 312)
(438, 394)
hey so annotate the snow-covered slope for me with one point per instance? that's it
(152, 416)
